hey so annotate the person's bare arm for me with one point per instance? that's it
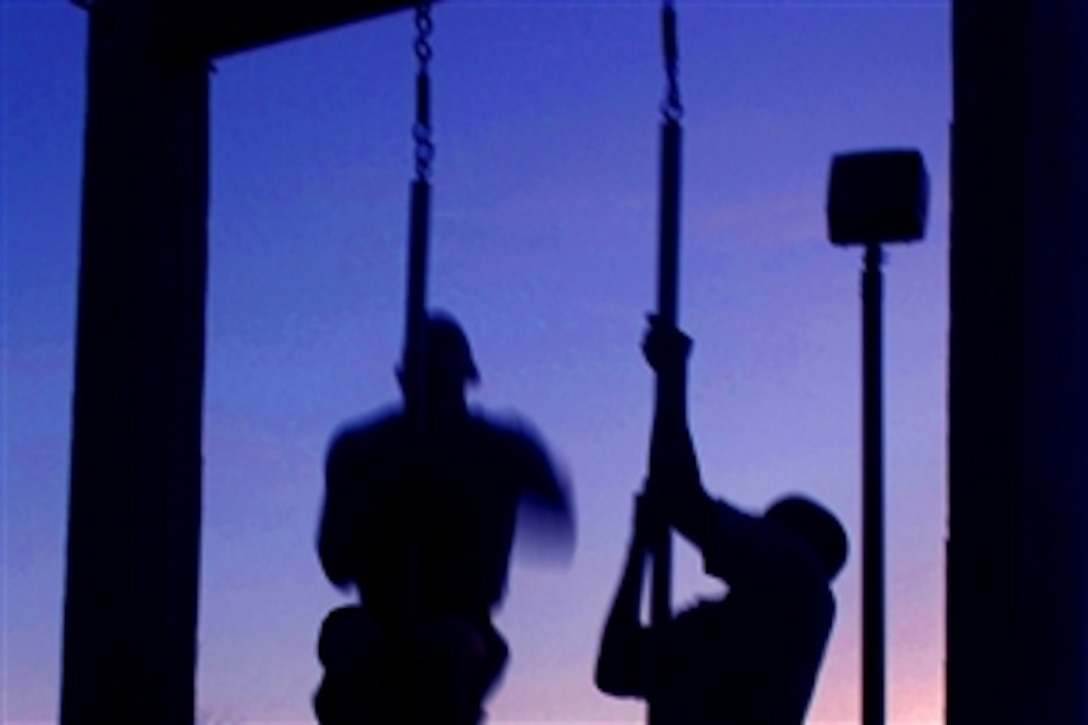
(749, 551)
(546, 528)
(674, 466)
(624, 658)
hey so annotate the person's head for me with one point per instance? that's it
(816, 525)
(449, 363)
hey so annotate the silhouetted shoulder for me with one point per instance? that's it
(372, 447)
(547, 519)
(508, 426)
(378, 429)
(517, 436)
(513, 440)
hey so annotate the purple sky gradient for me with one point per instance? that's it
(544, 245)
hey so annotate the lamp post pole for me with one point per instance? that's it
(874, 197)
(872, 494)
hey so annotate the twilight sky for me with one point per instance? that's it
(544, 244)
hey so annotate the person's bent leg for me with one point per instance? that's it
(453, 670)
(357, 654)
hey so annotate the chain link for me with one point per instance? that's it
(421, 130)
(671, 108)
(424, 28)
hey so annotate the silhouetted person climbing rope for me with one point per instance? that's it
(752, 656)
(422, 528)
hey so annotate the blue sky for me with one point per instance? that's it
(544, 245)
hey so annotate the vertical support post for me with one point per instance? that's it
(872, 576)
(1018, 365)
(130, 610)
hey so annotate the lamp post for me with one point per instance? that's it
(874, 197)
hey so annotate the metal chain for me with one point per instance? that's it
(671, 108)
(421, 131)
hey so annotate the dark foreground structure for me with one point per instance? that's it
(134, 514)
(1018, 377)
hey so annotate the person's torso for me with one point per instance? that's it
(453, 502)
(747, 659)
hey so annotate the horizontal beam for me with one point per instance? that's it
(215, 28)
